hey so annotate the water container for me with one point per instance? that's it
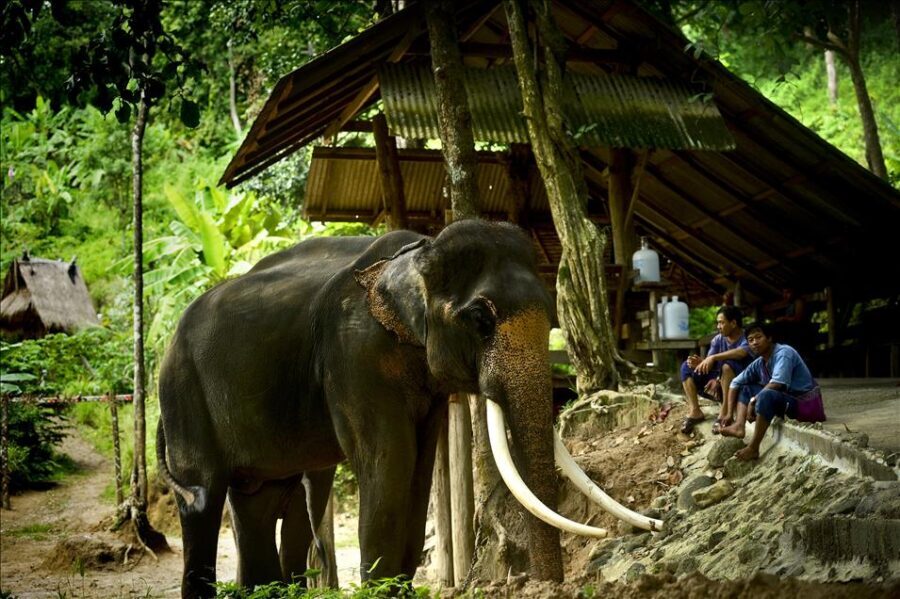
(677, 323)
(646, 262)
(661, 316)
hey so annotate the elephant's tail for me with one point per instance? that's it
(194, 498)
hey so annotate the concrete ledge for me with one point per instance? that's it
(857, 461)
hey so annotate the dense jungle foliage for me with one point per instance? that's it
(66, 166)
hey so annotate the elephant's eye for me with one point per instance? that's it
(480, 317)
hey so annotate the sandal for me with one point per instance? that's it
(687, 425)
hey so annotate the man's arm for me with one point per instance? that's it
(709, 361)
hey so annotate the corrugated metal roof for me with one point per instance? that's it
(344, 183)
(604, 110)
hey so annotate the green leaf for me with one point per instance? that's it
(190, 114)
(213, 246)
(123, 113)
(16, 377)
(187, 211)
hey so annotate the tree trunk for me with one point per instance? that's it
(582, 301)
(874, 155)
(831, 71)
(232, 94)
(151, 539)
(139, 476)
(454, 118)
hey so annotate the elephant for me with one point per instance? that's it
(348, 348)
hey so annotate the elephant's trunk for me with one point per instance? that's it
(516, 379)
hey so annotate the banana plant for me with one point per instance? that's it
(217, 235)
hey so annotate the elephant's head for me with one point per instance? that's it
(473, 298)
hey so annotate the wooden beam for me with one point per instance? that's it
(674, 188)
(389, 174)
(369, 88)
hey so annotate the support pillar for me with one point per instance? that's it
(462, 500)
(389, 174)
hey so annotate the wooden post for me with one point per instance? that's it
(654, 327)
(443, 550)
(620, 167)
(462, 500)
(117, 453)
(517, 163)
(4, 452)
(738, 294)
(621, 198)
(389, 173)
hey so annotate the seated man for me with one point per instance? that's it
(728, 355)
(777, 383)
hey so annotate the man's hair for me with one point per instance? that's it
(763, 327)
(731, 313)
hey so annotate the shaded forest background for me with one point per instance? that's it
(65, 154)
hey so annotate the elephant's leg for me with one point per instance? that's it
(421, 490)
(200, 531)
(385, 469)
(302, 516)
(253, 517)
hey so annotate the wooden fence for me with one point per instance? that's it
(58, 401)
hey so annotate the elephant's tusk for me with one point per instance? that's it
(574, 473)
(497, 433)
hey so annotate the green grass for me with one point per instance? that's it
(37, 532)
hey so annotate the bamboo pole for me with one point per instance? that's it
(462, 500)
(443, 550)
(117, 453)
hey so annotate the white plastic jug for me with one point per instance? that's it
(646, 261)
(677, 323)
(661, 316)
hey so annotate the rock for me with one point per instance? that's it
(637, 541)
(715, 538)
(747, 553)
(686, 566)
(636, 570)
(685, 498)
(721, 450)
(882, 504)
(842, 506)
(659, 503)
(713, 494)
(735, 468)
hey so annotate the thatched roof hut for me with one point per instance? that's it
(44, 296)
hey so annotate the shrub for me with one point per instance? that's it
(34, 432)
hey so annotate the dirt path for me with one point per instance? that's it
(39, 520)
(31, 564)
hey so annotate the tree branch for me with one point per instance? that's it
(840, 49)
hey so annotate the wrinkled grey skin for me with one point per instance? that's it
(347, 348)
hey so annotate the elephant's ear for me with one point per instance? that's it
(395, 296)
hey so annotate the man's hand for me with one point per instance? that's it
(751, 409)
(712, 386)
(705, 365)
(692, 361)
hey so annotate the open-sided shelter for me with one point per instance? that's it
(783, 208)
(44, 296)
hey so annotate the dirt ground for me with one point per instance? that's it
(47, 532)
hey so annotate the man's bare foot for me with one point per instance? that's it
(746, 454)
(733, 430)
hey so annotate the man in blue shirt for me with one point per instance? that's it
(777, 383)
(728, 355)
